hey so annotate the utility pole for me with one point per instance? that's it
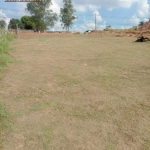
(95, 23)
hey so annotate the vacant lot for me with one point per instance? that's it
(77, 92)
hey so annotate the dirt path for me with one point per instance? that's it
(78, 92)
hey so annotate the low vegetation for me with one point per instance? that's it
(5, 58)
(5, 38)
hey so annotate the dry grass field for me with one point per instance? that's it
(77, 92)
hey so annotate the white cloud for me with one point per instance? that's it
(56, 5)
(90, 24)
(80, 8)
(5, 18)
(134, 20)
(98, 16)
(143, 8)
(125, 27)
(16, 14)
(142, 13)
(146, 19)
(93, 7)
(110, 4)
(102, 25)
(18, 11)
(2, 15)
(21, 6)
(57, 27)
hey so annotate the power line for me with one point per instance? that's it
(86, 15)
(84, 21)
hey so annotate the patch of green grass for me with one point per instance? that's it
(64, 79)
(4, 86)
(106, 79)
(18, 114)
(119, 64)
(146, 145)
(48, 136)
(36, 107)
(18, 97)
(4, 122)
(85, 114)
(41, 106)
(4, 118)
(5, 59)
(111, 146)
(42, 39)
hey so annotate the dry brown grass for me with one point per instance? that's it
(78, 92)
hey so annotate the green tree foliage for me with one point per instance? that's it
(41, 14)
(108, 27)
(67, 14)
(13, 22)
(2, 24)
(141, 23)
(28, 22)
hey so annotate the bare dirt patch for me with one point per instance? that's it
(78, 92)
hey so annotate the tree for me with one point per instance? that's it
(108, 27)
(2, 24)
(67, 14)
(141, 23)
(41, 14)
(28, 22)
(13, 22)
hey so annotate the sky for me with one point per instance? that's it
(118, 14)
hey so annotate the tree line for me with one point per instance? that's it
(43, 17)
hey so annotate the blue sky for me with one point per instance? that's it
(117, 13)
